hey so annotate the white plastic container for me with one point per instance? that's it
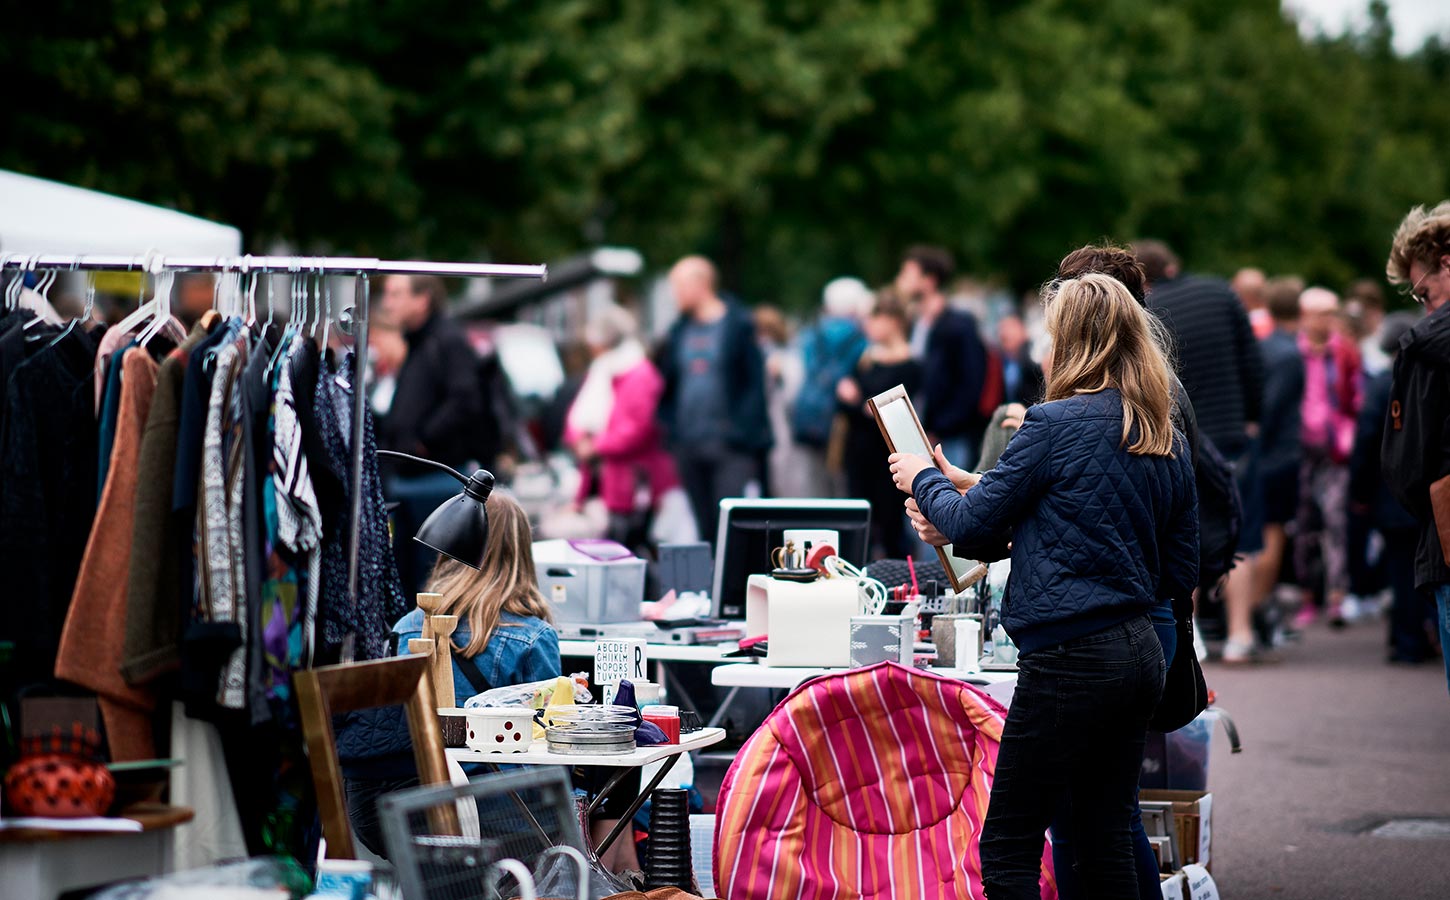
(589, 581)
(500, 729)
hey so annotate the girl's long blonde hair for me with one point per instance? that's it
(1103, 338)
(506, 582)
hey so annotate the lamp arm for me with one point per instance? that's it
(427, 462)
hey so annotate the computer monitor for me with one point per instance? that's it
(750, 529)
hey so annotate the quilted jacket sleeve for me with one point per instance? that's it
(1001, 498)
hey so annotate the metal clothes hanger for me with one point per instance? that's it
(86, 313)
(144, 309)
(288, 331)
(162, 312)
(38, 300)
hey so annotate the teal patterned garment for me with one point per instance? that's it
(292, 544)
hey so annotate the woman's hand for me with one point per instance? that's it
(905, 467)
(584, 448)
(848, 391)
(924, 529)
(1016, 412)
(960, 478)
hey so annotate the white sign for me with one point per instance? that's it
(619, 660)
(1173, 887)
(1200, 883)
(1205, 829)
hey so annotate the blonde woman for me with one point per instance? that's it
(503, 638)
(1096, 493)
(503, 634)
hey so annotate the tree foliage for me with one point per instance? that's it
(793, 140)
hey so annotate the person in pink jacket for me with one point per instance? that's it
(612, 428)
(1333, 393)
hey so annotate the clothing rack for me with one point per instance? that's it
(362, 268)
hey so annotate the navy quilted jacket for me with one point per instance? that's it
(1099, 535)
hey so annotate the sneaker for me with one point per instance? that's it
(1305, 617)
(1237, 654)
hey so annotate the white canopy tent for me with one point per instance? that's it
(39, 216)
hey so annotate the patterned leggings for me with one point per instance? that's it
(1322, 531)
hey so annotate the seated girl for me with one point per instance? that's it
(503, 638)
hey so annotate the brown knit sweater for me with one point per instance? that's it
(90, 654)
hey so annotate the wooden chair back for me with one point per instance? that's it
(330, 690)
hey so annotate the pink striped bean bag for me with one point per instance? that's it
(870, 783)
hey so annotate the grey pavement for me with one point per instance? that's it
(1336, 742)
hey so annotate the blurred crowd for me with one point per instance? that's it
(1286, 385)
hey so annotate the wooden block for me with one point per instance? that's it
(429, 603)
(422, 646)
(443, 628)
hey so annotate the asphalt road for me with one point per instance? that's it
(1336, 742)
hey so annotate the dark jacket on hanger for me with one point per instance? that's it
(48, 455)
(438, 408)
(380, 600)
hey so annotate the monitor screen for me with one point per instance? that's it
(750, 529)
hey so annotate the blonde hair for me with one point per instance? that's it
(1102, 338)
(505, 582)
(1424, 235)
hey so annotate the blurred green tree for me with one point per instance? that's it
(792, 140)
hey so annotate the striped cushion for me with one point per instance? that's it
(869, 783)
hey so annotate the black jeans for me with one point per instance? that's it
(1073, 745)
(710, 475)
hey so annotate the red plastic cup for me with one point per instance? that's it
(666, 718)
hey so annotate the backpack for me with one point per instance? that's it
(826, 358)
(1220, 512)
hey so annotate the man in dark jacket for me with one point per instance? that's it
(1416, 450)
(1280, 444)
(713, 408)
(437, 405)
(1222, 370)
(953, 358)
(437, 413)
(1022, 380)
(1370, 497)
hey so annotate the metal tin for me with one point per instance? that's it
(591, 739)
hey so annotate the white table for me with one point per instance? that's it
(40, 863)
(753, 675)
(538, 754)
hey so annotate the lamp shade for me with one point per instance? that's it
(458, 529)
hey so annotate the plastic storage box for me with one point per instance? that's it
(594, 582)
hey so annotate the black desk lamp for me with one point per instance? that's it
(459, 528)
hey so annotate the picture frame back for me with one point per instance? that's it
(901, 428)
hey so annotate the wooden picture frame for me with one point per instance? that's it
(901, 427)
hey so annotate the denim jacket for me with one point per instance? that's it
(375, 743)
(520, 650)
